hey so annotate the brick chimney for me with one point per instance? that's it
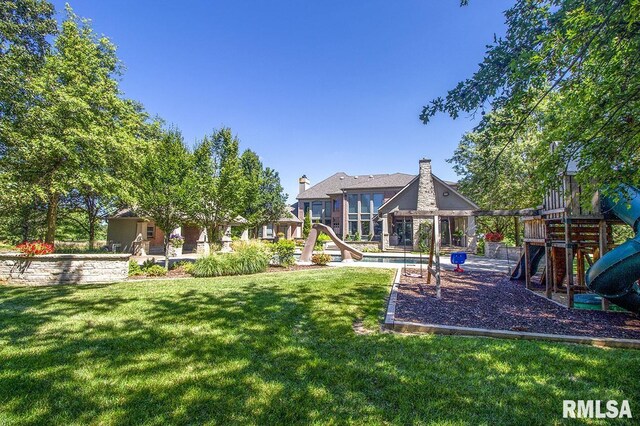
(426, 190)
(303, 184)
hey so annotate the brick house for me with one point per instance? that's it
(383, 207)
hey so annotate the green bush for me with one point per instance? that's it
(284, 250)
(321, 259)
(134, 268)
(248, 259)
(187, 268)
(155, 271)
(148, 263)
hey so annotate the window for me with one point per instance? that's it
(365, 205)
(316, 210)
(306, 208)
(150, 232)
(336, 204)
(269, 229)
(378, 200)
(366, 228)
(353, 203)
(353, 227)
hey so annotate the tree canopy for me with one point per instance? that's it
(77, 132)
(566, 71)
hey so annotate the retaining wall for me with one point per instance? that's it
(63, 268)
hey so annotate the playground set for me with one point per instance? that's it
(569, 237)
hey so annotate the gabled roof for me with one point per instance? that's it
(340, 181)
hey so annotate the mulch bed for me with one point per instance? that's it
(492, 301)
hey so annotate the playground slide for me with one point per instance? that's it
(348, 253)
(615, 274)
(537, 254)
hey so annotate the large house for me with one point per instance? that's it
(386, 207)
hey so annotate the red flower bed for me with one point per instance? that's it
(494, 237)
(32, 248)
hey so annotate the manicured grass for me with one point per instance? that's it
(274, 349)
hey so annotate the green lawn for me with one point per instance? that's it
(274, 349)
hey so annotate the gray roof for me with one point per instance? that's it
(340, 181)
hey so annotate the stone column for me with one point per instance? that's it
(385, 233)
(472, 239)
(202, 245)
(426, 197)
(245, 235)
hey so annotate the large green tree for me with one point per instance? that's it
(218, 183)
(77, 131)
(164, 191)
(569, 69)
(264, 198)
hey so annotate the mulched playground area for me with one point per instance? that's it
(492, 301)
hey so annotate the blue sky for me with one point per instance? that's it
(314, 87)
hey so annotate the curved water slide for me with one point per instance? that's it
(614, 275)
(348, 253)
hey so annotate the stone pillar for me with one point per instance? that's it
(202, 245)
(245, 235)
(426, 190)
(226, 241)
(384, 241)
(426, 197)
(470, 233)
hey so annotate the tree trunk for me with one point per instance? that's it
(166, 251)
(92, 214)
(516, 226)
(92, 233)
(52, 217)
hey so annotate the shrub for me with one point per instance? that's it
(321, 259)
(148, 263)
(179, 265)
(250, 259)
(156, 271)
(284, 250)
(188, 268)
(134, 268)
(33, 248)
(356, 237)
(306, 226)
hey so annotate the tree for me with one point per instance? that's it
(306, 225)
(77, 130)
(164, 184)
(24, 28)
(218, 184)
(568, 68)
(264, 198)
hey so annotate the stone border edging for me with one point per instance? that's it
(391, 324)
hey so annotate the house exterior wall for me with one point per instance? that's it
(121, 231)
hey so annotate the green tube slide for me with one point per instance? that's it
(615, 274)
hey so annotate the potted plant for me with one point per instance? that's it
(176, 242)
(457, 237)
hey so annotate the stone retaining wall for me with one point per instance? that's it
(500, 251)
(358, 245)
(63, 268)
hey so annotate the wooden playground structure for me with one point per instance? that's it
(569, 237)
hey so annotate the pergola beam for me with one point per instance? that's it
(464, 213)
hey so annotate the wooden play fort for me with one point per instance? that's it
(568, 238)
